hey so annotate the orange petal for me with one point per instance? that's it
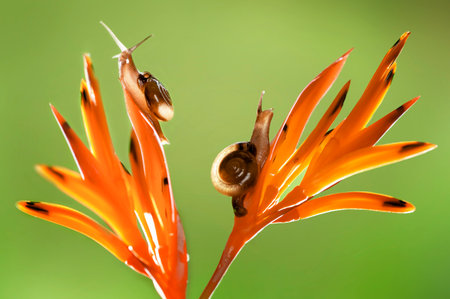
(87, 194)
(289, 134)
(81, 223)
(296, 164)
(337, 146)
(95, 120)
(317, 180)
(88, 166)
(144, 203)
(372, 134)
(111, 183)
(149, 165)
(375, 90)
(347, 201)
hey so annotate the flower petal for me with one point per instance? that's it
(337, 146)
(318, 179)
(110, 184)
(88, 166)
(146, 206)
(94, 119)
(375, 91)
(150, 169)
(285, 142)
(83, 224)
(296, 164)
(347, 201)
(372, 134)
(87, 194)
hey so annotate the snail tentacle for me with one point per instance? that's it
(260, 135)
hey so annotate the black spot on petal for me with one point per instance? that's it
(133, 149)
(84, 97)
(340, 102)
(32, 206)
(395, 203)
(390, 76)
(65, 126)
(285, 127)
(401, 109)
(55, 172)
(166, 181)
(396, 43)
(411, 146)
(328, 132)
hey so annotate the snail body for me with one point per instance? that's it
(147, 92)
(236, 168)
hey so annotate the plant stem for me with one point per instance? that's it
(244, 229)
(234, 245)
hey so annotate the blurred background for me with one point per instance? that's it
(215, 57)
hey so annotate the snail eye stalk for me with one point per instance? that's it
(327, 155)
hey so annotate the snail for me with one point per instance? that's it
(236, 168)
(147, 92)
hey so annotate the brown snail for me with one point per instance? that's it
(236, 168)
(147, 92)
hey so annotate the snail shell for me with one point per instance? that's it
(156, 95)
(235, 169)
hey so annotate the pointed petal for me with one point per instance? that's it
(148, 155)
(375, 90)
(368, 136)
(110, 183)
(95, 120)
(89, 168)
(148, 160)
(289, 134)
(144, 203)
(373, 133)
(347, 201)
(317, 180)
(296, 164)
(123, 220)
(336, 146)
(83, 224)
(89, 195)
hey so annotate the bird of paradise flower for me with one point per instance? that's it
(325, 157)
(120, 198)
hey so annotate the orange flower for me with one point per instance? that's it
(119, 198)
(326, 157)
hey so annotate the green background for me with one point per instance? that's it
(215, 57)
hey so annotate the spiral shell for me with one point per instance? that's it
(235, 169)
